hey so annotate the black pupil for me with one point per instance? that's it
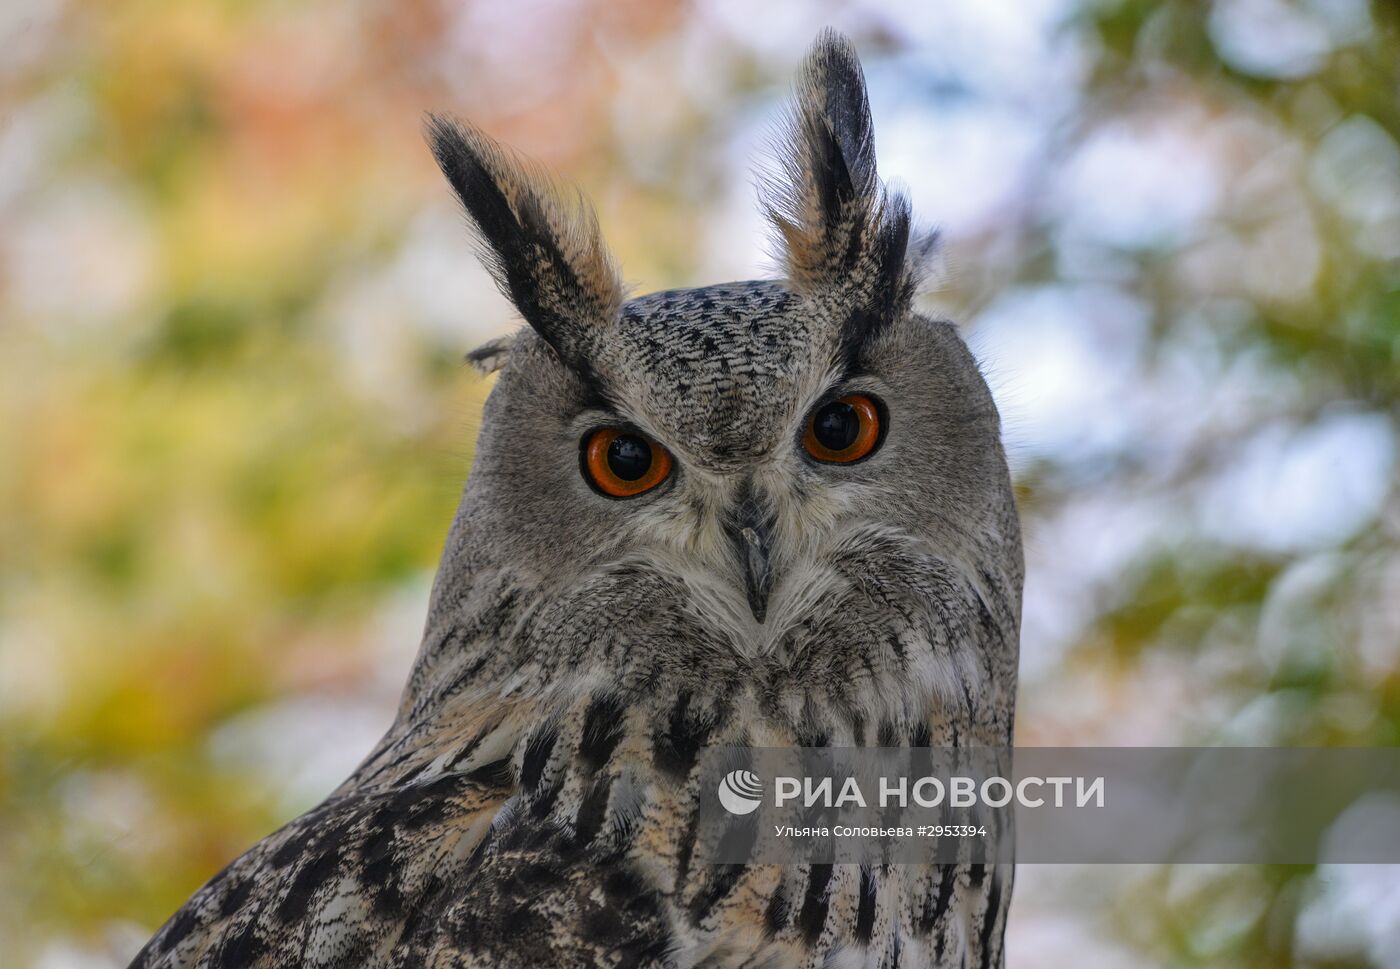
(836, 426)
(629, 457)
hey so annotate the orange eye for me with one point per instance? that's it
(843, 430)
(621, 464)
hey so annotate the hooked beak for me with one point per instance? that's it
(751, 535)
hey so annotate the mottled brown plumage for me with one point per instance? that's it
(534, 802)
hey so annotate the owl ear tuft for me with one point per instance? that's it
(839, 229)
(545, 253)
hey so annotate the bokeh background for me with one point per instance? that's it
(234, 296)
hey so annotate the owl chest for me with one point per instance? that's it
(625, 783)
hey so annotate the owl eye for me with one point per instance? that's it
(843, 430)
(621, 464)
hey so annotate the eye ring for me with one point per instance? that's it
(620, 463)
(844, 430)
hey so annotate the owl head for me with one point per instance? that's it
(804, 468)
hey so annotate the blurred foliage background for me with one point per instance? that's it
(233, 424)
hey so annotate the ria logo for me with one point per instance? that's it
(740, 792)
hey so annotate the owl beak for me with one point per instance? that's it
(751, 539)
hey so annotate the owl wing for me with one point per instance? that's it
(496, 865)
(340, 885)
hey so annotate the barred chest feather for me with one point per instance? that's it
(554, 823)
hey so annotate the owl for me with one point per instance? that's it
(772, 513)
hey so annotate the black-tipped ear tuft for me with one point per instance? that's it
(834, 122)
(841, 232)
(546, 255)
